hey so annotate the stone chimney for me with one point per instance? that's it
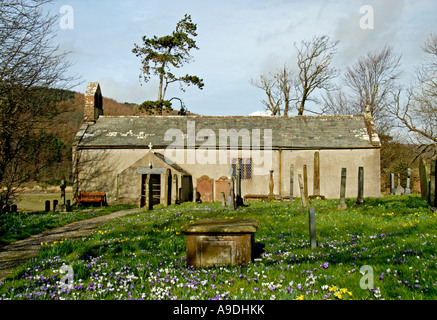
(93, 103)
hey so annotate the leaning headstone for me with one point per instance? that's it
(360, 197)
(399, 190)
(312, 223)
(432, 185)
(407, 185)
(291, 182)
(47, 206)
(423, 173)
(342, 202)
(302, 192)
(392, 183)
(316, 180)
(223, 197)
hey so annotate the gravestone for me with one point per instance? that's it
(316, 180)
(342, 202)
(221, 185)
(407, 185)
(360, 197)
(47, 206)
(291, 182)
(302, 193)
(232, 197)
(305, 182)
(205, 186)
(271, 187)
(167, 187)
(174, 189)
(215, 242)
(424, 181)
(399, 190)
(55, 203)
(392, 183)
(62, 207)
(312, 224)
(222, 194)
(432, 185)
(148, 193)
(14, 208)
(238, 198)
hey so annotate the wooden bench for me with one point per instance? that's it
(99, 197)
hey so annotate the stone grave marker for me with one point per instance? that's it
(238, 198)
(392, 183)
(232, 197)
(148, 193)
(302, 193)
(407, 185)
(399, 190)
(215, 242)
(432, 185)
(222, 194)
(312, 224)
(305, 182)
(291, 182)
(271, 186)
(55, 203)
(47, 206)
(167, 187)
(316, 180)
(174, 189)
(342, 202)
(360, 197)
(424, 184)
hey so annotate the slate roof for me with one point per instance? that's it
(349, 131)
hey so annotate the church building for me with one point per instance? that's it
(186, 155)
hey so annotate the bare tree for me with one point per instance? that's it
(29, 65)
(278, 88)
(416, 107)
(313, 60)
(371, 81)
(273, 102)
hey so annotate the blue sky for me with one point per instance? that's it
(237, 40)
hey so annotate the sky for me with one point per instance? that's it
(238, 40)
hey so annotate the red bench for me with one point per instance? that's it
(99, 197)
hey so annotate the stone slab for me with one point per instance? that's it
(222, 226)
(215, 242)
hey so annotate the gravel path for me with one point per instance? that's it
(19, 252)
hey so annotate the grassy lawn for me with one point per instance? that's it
(384, 249)
(22, 224)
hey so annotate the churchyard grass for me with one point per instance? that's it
(142, 256)
(21, 224)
